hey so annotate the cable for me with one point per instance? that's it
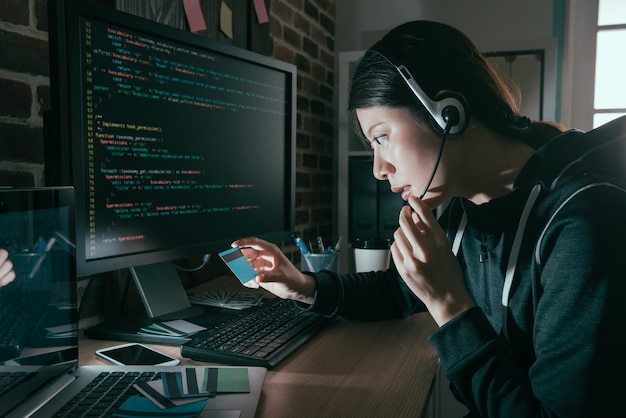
(205, 260)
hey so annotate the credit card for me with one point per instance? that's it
(236, 261)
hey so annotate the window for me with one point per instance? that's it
(610, 79)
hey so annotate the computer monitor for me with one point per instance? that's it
(175, 144)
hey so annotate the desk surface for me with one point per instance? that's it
(351, 369)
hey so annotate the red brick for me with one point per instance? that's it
(14, 11)
(22, 54)
(21, 143)
(20, 99)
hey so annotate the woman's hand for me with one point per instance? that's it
(7, 274)
(275, 272)
(425, 262)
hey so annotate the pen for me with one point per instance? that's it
(300, 244)
(39, 245)
(338, 244)
(320, 243)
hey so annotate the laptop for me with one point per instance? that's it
(39, 371)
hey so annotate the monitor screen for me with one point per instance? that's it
(175, 144)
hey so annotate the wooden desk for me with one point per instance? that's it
(351, 369)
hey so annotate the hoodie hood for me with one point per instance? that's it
(575, 158)
(600, 153)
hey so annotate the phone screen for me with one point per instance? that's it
(135, 354)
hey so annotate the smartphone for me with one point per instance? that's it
(136, 354)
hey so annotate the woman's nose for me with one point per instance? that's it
(381, 167)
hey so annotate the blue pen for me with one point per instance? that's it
(39, 246)
(300, 244)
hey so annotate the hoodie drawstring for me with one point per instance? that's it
(515, 249)
(517, 243)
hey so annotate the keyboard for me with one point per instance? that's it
(260, 336)
(105, 394)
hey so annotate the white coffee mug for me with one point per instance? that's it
(372, 254)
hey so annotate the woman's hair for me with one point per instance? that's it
(440, 58)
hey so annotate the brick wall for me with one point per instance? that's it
(301, 31)
(24, 91)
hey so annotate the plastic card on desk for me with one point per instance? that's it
(139, 406)
(175, 328)
(154, 390)
(179, 388)
(194, 382)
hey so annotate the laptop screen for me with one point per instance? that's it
(38, 324)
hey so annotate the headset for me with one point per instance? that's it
(448, 113)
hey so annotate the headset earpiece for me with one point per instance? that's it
(452, 111)
(448, 112)
(451, 115)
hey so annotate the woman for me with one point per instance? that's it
(521, 272)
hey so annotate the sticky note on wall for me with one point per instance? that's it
(194, 15)
(261, 11)
(226, 20)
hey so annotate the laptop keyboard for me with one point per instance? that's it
(259, 337)
(105, 394)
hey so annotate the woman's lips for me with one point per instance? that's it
(405, 191)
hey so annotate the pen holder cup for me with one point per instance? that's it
(315, 262)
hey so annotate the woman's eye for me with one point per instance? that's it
(380, 140)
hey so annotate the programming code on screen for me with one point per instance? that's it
(178, 140)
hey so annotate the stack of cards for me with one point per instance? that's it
(138, 406)
(176, 328)
(224, 299)
(175, 389)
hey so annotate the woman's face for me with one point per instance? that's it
(405, 152)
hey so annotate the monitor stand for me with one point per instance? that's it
(164, 299)
(162, 293)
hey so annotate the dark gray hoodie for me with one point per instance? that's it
(548, 261)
